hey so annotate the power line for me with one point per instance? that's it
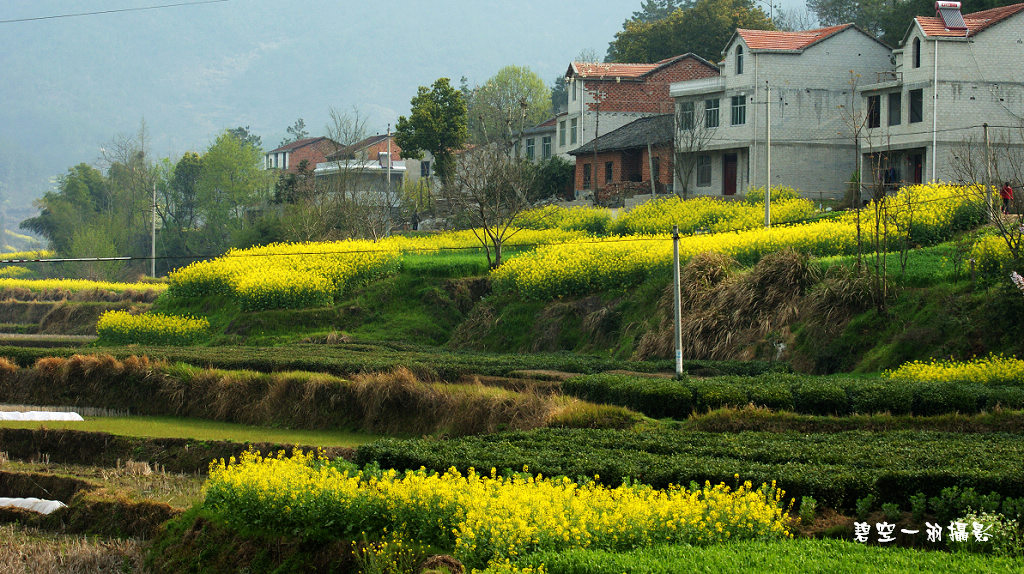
(112, 11)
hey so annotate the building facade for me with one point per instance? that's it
(804, 84)
(953, 73)
(604, 97)
(289, 156)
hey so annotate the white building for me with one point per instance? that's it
(812, 75)
(953, 73)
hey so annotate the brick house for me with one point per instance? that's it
(601, 97)
(289, 156)
(625, 159)
(953, 73)
(721, 120)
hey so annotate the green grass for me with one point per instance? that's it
(755, 557)
(171, 427)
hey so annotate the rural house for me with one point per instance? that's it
(812, 75)
(289, 156)
(635, 159)
(604, 97)
(954, 72)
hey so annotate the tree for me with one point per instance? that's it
(887, 19)
(437, 124)
(559, 95)
(553, 179)
(81, 196)
(490, 188)
(654, 10)
(296, 132)
(510, 100)
(247, 137)
(703, 29)
(693, 133)
(231, 182)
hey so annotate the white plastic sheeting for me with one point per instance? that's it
(33, 504)
(39, 416)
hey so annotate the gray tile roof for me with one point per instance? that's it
(653, 130)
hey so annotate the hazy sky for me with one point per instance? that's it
(70, 85)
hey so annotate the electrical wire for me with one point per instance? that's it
(111, 11)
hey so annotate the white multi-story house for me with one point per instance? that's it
(953, 73)
(810, 79)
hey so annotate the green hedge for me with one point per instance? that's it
(835, 468)
(756, 557)
(427, 362)
(661, 398)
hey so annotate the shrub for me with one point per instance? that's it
(821, 397)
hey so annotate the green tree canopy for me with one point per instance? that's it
(512, 99)
(703, 29)
(887, 19)
(436, 123)
(82, 194)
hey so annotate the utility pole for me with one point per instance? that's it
(677, 317)
(767, 155)
(152, 242)
(988, 176)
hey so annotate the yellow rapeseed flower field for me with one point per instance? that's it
(483, 518)
(121, 327)
(994, 369)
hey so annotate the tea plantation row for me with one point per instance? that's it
(662, 398)
(835, 468)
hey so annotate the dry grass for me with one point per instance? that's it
(25, 550)
(725, 313)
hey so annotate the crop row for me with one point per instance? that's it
(992, 370)
(122, 328)
(802, 394)
(920, 214)
(835, 468)
(353, 358)
(481, 518)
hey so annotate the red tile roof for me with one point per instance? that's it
(773, 40)
(611, 71)
(297, 144)
(976, 22)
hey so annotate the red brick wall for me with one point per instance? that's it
(616, 157)
(648, 95)
(382, 147)
(314, 153)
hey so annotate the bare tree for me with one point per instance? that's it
(490, 190)
(694, 131)
(1006, 165)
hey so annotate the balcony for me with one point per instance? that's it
(698, 86)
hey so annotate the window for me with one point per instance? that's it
(529, 149)
(874, 111)
(917, 53)
(895, 108)
(711, 113)
(545, 147)
(586, 176)
(739, 60)
(607, 172)
(572, 88)
(425, 168)
(561, 133)
(686, 116)
(572, 132)
(703, 171)
(916, 106)
(739, 110)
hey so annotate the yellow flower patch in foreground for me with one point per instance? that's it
(483, 518)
